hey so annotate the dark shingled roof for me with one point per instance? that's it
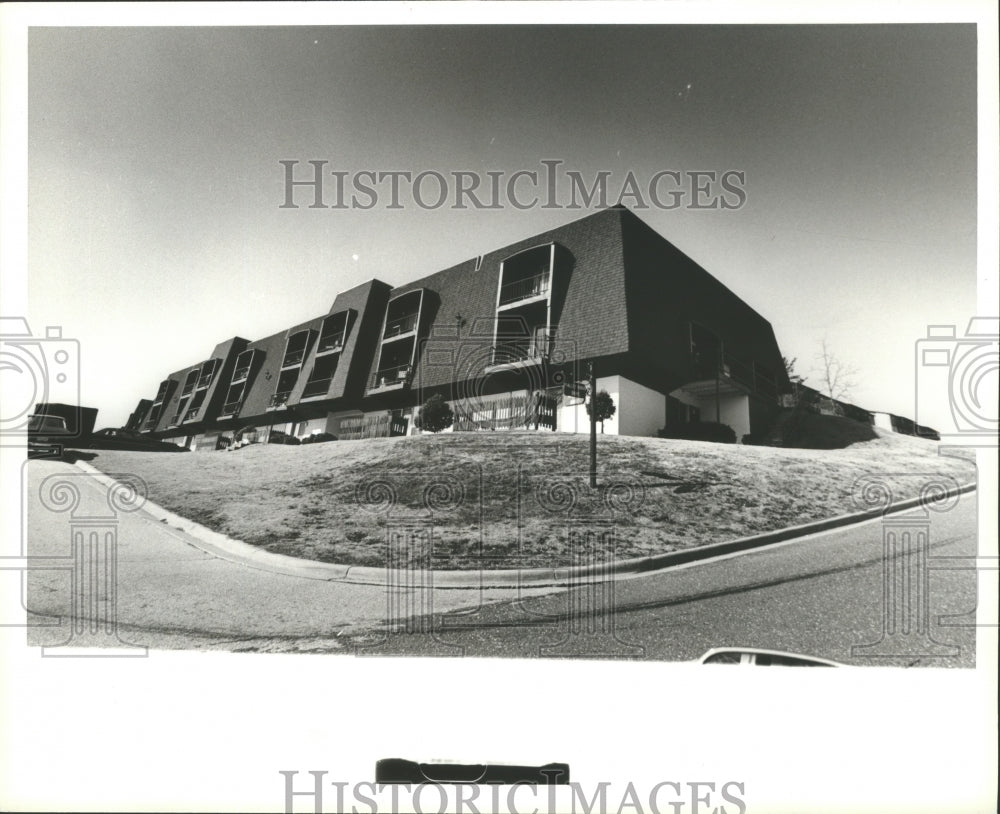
(621, 292)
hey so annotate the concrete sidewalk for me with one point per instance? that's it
(173, 590)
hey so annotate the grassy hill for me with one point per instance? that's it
(501, 500)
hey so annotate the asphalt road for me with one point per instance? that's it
(169, 594)
(823, 596)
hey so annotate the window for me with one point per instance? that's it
(526, 275)
(321, 376)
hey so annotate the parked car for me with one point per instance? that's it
(47, 435)
(114, 438)
(755, 657)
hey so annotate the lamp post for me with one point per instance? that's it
(593, 426)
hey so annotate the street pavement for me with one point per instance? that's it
(824, 595)
(171, 594)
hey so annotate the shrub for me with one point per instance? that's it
(435, 415)
(319, 438)
(700, 431)
(279, 437)
(605, 408)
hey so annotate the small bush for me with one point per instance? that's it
(700, 431)
(319, 438)
(435, 415)
(605, 407)
(279, 437)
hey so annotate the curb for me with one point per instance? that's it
(226, 548)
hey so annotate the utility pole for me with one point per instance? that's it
(593, 427)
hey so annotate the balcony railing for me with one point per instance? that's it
(520, 350)
(293, 357)
(747, 374)
(151, 422)
(206, 380)
(278, 400)
(525, 289)
(331, 343)
(231, 408)
(188, 390)
(399, 326)
(241, 374)
(316, 387)
(390, 376)
(192, 414)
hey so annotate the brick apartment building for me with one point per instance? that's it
(502, 337)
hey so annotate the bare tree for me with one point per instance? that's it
(837, 378)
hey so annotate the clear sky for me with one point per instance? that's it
(155, 227)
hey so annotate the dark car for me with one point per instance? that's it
(113, 438)
(47, 435)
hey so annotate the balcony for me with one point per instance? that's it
(400, 326)
(519, 352)
(728, 376)
(231, 408)
(316, 387)
(391, 377)
(293, 358)
(279, 400)
(525, 289)
(329, 344)
(241, 374)
(150, 423)
(188, 389)
(192, 414)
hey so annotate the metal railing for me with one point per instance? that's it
(747, 374)
(391, 376)
(331, 343)
(192, 414)
(520, 350)
(278, 400)
(529, 287)
(241, 374)
(316, 387)
(400, 325)
(231, 408)
(206, 380)
(293, 357)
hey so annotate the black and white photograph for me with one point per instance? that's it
(492, 385)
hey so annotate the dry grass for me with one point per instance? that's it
(502, 500)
